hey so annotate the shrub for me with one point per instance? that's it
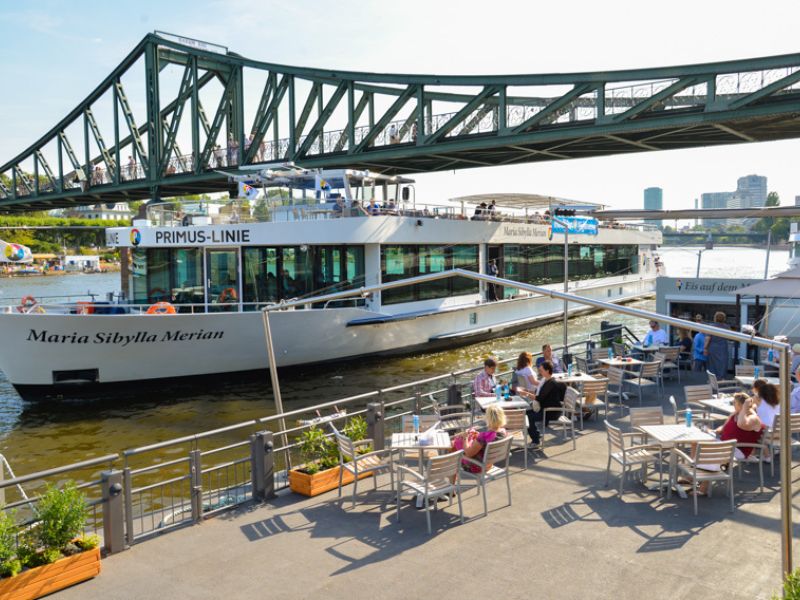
(356, 428)
(791, 586)
(8, 536)
(313, 448)
(61, 514)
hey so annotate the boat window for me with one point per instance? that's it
(297, 272)
(275, 273)
(464, 257)
(402, 262)
(543, 264)
(260, 272)
(432, 259)
(355, 265)
(398, 262)
(158, 284)
(187, 276)
(223, 278)
(139, 275)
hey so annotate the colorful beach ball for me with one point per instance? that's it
(15, 252)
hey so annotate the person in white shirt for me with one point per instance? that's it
(795, 398)
(525, 377)
(766, 396)
(656, 336)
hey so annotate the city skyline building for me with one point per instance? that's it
(751, 191)
(654, 200)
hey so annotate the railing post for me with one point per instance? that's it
(375, 425)
(417, 403)
(196, 472)
(127, 488)
(2, 477)
(262, 465)
(113, 514)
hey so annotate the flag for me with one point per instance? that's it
(320, 184)
(247, 191)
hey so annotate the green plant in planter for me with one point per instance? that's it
(61, 514)
(356, 430)
(10, 565)
(315, 450)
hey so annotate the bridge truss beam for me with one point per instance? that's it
(382, 122)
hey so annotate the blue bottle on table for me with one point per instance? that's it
(756, 372)
(505, 391)
(688, 417)
(416, 423)
(498, 392)
(610, 354)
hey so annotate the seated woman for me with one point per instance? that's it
(765, 396)
(743, 425)
(524, 377)
(473, 442)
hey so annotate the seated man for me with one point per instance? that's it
(550, 394)
(547, 355)
(656, 336)
(484, 384)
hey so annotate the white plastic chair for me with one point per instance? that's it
(517, 429)
(708, 454)
(629, 457)
(649, 376)
(495, 452)
(375, 462)
(440, 477)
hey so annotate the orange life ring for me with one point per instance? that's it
(84, 308)
(228, 295)
(28, 302)
(161, 308)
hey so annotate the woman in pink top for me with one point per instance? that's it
(473, 442)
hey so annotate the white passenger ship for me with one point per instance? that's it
(216, 271)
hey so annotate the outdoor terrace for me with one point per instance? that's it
(565, 535)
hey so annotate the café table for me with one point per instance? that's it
(721, 404)
(621, 363)
(513, 402)
(647, 349)
(747, 380)
(669, 436)
(434, 439)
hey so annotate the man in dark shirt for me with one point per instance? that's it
(550, 394)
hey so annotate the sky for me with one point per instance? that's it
(54, 53)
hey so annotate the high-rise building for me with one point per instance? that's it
(751, 190)
(654, 200)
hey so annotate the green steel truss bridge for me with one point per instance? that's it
(177, 111)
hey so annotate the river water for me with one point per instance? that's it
(36, 436)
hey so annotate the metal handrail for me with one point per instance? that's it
(92, 462)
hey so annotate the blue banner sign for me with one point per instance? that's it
(584, 225)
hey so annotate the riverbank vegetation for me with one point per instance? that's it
(54, 241)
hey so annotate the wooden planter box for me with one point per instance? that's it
(321, 482)
(40, 581)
